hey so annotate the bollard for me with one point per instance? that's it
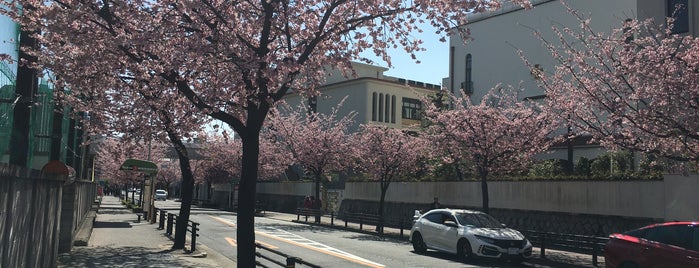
(168, 231)
(401, 228)
(139, 218)
(332, 218)
(361, 222)
(161, 225)
(194, 235)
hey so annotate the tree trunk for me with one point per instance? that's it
(382, 202)
(246, 199)
(187, 187)
(318, 178)
(484, 189)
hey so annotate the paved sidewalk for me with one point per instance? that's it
(118, 240)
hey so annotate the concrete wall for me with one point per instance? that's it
(674, 198)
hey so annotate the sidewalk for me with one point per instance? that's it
(118, 240)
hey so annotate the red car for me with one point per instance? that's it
(671, 244)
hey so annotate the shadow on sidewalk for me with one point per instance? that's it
(111, 224)
(120, 257)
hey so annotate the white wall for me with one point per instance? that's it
(674, 198)
(496, 39)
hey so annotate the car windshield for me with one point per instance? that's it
(479, 220)
(160, 191)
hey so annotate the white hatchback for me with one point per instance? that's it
(160, 195)
(467, 233)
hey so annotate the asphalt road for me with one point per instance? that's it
(322, 246)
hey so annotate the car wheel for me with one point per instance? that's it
(419, 244)
(464, 249)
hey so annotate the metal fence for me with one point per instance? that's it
(29, 217)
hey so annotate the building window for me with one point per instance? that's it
(388, 108)
(393, 109)
(678, 9)
(411, 108)
(373, 106)
(380, 107)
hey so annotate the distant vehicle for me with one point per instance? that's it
(160, 195)
(468, 234)
(671, 244)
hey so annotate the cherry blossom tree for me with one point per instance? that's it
(633, 88)
(496, 136)
(231, 60)
(319, 143)
(386, 153)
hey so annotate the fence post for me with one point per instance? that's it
(595, 250)
(290, 262)
(168, 231)
(161, 224)
(194, 235)
(543, 245)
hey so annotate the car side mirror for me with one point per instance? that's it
(451, 224)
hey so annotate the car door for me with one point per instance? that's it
(430, 225)
(448, 235)
(669, 246)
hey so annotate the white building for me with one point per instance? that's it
(490, 57)
(376, 98)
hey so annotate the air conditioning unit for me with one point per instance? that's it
(467, 87)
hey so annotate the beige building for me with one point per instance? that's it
(490, 57)
(376, 98)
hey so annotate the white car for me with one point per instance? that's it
(467, 233)
(160, 195)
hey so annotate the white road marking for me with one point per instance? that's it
(291, 238)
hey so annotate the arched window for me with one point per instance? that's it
(393, 109)
(381, 107)
(373, 106)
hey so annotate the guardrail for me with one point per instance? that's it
(358, 218)
(168, 221)
(289, 261)
(586, 244)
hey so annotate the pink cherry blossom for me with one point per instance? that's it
(230, 60)
(496, 136)
(633, 88)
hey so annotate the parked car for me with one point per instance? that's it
(671, 244)
(468, 234)
(160, 195)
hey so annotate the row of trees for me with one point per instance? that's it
(158, 70)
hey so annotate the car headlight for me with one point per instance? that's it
(486, 239)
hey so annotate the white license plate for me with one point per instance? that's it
(512, 251)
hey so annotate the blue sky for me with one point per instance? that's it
(434, 63)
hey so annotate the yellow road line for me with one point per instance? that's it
(234, 243)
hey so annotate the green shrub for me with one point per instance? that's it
(547, 168)
(582, 167)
